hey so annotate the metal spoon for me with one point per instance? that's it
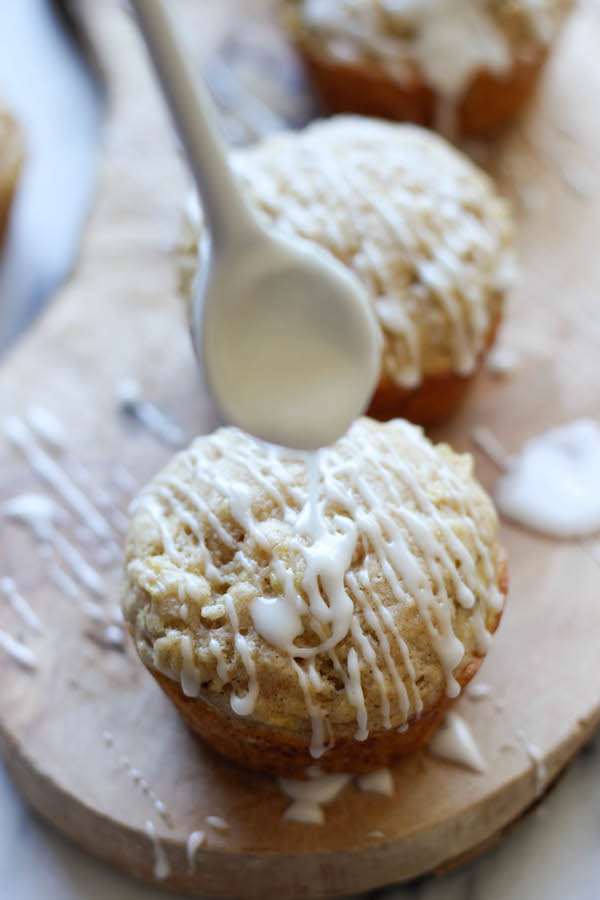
(286, 334)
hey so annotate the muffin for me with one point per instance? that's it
(421, 227)
(461, 66)
(287, 632)
(11, 160)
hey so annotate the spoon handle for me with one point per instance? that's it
(227, 213)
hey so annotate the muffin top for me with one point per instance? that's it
(443, 42)
(418, 223)
(352, 614)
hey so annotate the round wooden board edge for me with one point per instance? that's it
(248, 873)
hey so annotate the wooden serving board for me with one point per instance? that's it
(73, 730)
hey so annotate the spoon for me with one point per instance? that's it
(286, 334)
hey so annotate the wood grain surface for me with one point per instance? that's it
(118, 317)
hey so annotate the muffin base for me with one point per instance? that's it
(256, 746)
(489, 103)
(435, 399)
(11, 161)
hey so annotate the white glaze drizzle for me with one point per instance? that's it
(195, 840)
(93, 610)
(47, 427)
(18, 603)
(119, 521)
(478, 691)
(110, 637)
(139, 781)
(107, 554)
(79, 566)
(309, 796)
(63, 581)
(216, 650)
(162, 867)
(535, 755)
(577, 180)
(53, 474)
(84, 536)
(553, 485)
(332, 592)
(147, 414)
(454, 742)
(116, 615)
(310, 520)
(40, 514)
(379, 782)
(218, 823)
(318, 742)
(84, 478)
(501, 361)
(190, 678)
(123, 480)
(18, 651)
(243, 706)
(36, 511)
(50, 430)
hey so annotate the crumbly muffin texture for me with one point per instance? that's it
(346, 618)
(408, 38)
(419, 224)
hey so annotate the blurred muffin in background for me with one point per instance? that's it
(463, 67)
(11, 160)
(418, 223)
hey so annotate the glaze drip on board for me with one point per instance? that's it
(535, 755)
(87, 508)
(55, 475)
(162, 866)
(218, 823)
(47, 426)
(41, 515)
(455, 742)
(320, 599)
(18, 651)
(21, 607)
(502, 361)
(196, 839)
(553, 484)
(379, 782)
(309, 795)
(150, 416)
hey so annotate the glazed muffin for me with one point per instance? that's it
(286, 632)
(421, 227)
(461, 66)
(11, 160)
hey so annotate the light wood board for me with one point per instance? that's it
(119, 317)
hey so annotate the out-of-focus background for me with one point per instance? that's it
(59, 102)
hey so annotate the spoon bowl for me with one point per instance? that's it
(288, 341)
